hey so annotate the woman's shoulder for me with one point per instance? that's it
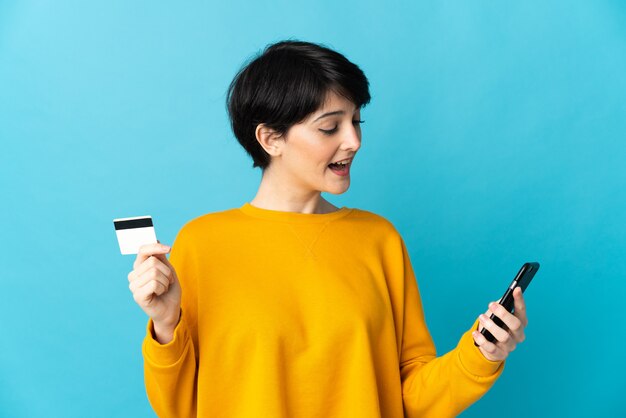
(209, 222)
(375, 222)
(210, 217)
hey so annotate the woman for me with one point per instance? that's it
(289, 306)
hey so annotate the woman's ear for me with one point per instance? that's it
(269, 139)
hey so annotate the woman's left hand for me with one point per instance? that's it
(506, 340)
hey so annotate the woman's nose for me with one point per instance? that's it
(353, 138)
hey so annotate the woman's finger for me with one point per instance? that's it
(166, 263)
(500, 334)
(147, 250)
(154, 274)
(520, 306)
(152, 262)
(512, 322)
(164, 259)
(493, 351)
(480, 327)
(145, 294)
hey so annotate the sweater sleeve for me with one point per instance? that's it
(437, 386)
(170, 370)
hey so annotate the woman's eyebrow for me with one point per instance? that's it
(336, 112)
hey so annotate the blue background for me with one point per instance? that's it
(495, 136)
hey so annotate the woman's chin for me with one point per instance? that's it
(338, 189)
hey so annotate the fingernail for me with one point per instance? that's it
(491, 304)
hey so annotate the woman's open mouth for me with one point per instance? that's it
(340, 169)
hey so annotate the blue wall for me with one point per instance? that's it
(496, 135)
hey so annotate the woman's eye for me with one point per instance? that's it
(329, 131)
(332, 131)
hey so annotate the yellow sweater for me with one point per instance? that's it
(292, 315)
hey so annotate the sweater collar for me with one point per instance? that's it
(278, 215)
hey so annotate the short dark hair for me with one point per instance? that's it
(283, 85)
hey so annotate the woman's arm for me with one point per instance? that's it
(170, 372)
(170, 354)
(437, 386)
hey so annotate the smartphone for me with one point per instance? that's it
(522, 279)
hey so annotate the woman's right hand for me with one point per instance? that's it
(156, 289)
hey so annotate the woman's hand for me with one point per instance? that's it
(155, 287)
(506, 340)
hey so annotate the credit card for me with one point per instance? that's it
(134, 232)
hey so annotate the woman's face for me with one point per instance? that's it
(328, 135)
